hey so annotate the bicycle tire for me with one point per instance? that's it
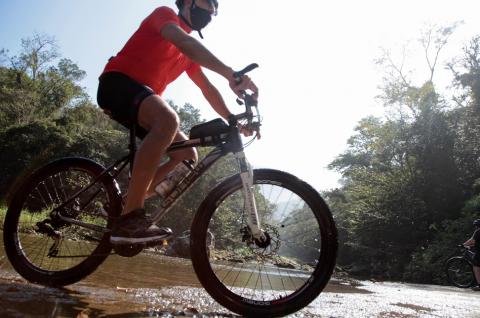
(206, 266)
(459, 272)
(38, 193)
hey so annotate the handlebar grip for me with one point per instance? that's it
(247, 69)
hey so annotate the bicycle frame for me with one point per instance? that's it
(468, 255)
(229, 142)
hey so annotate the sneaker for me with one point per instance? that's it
(476, 288)
(136, 228)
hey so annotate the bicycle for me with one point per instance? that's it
(275, 238)
(459, 269)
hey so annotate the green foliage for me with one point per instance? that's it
(428, 261)
(45, 114)
(24, 147)
(407, 177)
(189, 116)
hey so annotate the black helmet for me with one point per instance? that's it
(476, 223)
(179, 3)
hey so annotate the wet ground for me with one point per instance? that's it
(149, 285)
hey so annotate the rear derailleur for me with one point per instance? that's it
(46, 227)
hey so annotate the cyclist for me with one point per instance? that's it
(130, 90)
(474, 242)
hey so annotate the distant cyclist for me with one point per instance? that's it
(474, 242)
(130, 90)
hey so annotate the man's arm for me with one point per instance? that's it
(211, 93)
(195, 50)
(470, 242)
(215, 99)
(198, 53)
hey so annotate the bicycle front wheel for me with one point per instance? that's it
(40, 246)
(268, 279)
(459, 272)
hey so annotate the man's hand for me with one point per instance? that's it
(245, 84)
(245, 131)
(248, 132)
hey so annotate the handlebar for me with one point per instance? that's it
(249, 100)
(238, 75)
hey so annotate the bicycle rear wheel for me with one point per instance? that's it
(264, 280)
(459, 272)
(44, 249)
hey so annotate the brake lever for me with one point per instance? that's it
(238, 79)
(238, 75)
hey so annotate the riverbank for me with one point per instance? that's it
(152, 286)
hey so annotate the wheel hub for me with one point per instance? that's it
(263, 243)
(266, 248)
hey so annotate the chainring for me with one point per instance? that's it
(128, 250)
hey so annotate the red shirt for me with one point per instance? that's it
(149, 58)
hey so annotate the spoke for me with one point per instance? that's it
(55, 190)
(238, 273)
(42, 253)
(269, 282)
(34, 197)
(270, 194)
(256, 283)
(41, 196)
(65, 197)
(296, 244)
(294, 239)
(76, 244)
(249, 277)
(52, 202)
(286, 205)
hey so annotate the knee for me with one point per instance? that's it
(167, 125)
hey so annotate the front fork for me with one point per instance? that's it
(246, 175)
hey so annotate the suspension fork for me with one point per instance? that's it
(246, 174)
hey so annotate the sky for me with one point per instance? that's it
(317, 76)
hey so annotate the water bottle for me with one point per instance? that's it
(166, 186)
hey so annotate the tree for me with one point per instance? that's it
(401, 178)
(37, 54)
(33, 87)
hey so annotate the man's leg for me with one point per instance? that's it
(476, 271)
(162, 122)
(175, 157)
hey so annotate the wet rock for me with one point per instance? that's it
(12, 290)
(189, 311)
(285, 265)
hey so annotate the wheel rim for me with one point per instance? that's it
(460, 273)
(279, 271)
(47, 243)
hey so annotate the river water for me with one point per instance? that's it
(150, 285)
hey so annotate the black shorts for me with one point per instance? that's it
(121, 97)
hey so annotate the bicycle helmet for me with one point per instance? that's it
(476, 223)
(179, 4)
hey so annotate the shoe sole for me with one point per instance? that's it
(118, 240)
